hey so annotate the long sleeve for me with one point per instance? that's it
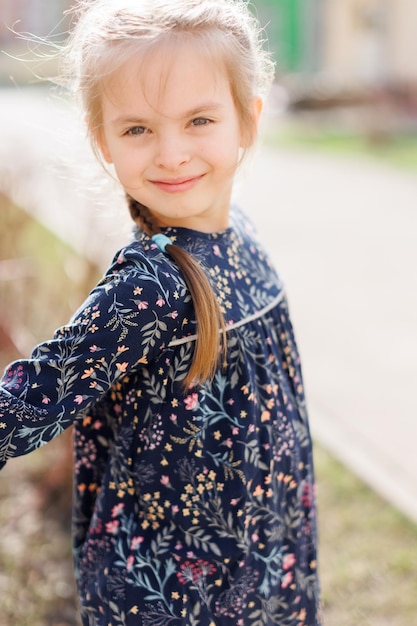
(127, 318)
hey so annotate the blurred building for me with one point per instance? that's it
(346, 42)
(371, 41)
(21, 23)
(38, 17)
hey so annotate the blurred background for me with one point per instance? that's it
(333, 191)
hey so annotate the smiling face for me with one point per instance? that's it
(172, 131)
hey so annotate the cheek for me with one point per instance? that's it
(222, 152)
(226, 155)
(129, 164)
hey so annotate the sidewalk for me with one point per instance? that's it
(343, 235)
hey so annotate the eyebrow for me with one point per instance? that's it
(205, 106)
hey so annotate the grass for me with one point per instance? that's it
(36, 581)
(50, 285)
(368, 552)
(395, 150)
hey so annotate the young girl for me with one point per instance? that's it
(194, 487)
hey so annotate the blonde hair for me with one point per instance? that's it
(105, 35)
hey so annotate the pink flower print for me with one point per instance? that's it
(173, 417)
(287, 580)
(216, 250)
(165, 480)
(78, 399)
(113, 527)
(94, 348)
(117, 509)
(191, 401)
(160, 302)
(135, 543)
(45, 399)
(121, 258)
(307, 497)
(142, 304)
(289, 561)
(130, 562)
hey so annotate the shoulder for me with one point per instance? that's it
(251, 244)
(140, 278)
(141, 256)
(141, 262)
(243, 225)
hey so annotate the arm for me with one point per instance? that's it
(118, 329)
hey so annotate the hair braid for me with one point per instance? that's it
(142, 216)
(211, 330)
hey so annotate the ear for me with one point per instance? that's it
(258, 105)
(249, 134)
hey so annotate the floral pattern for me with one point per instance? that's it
(190, 508)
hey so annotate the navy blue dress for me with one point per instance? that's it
(190, 508)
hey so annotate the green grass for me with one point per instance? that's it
(54, 282)
(36, 580)
(368, 552)
(396, 150)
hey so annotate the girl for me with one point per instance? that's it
(194, 488)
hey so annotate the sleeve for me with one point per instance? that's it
(126, 320)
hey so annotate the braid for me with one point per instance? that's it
(211, 329)
(142, 216)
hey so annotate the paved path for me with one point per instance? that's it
(343, 234)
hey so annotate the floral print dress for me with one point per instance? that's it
(190, 508)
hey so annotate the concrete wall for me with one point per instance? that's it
(402, 28)
(349, 41)
(369, 41)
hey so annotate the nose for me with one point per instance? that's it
(173, 150)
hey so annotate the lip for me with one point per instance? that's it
(177, 185)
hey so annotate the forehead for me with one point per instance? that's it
(168, 80)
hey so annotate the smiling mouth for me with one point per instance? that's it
(176, 185)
